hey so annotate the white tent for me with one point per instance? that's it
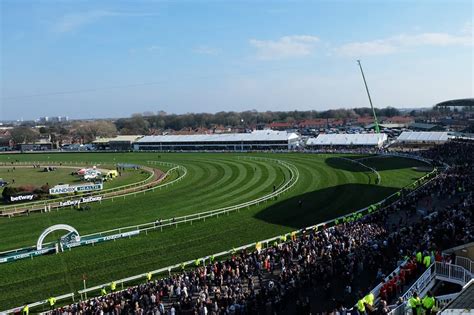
(423, 137)
(362, 139)
(256, 140)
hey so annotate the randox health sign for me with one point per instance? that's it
(66, 189)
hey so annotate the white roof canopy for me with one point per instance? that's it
(372, 139)
(259, 135)
(428, 136)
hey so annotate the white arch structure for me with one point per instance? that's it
(56, 227)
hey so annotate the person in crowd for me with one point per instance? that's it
(317, 266)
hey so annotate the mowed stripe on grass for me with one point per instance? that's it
(325, 190)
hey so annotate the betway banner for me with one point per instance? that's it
(66, 189)
(79, 201)
(22, 198)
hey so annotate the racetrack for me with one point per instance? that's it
(326, 188)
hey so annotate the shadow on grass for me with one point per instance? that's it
(323, 204)
(379, 163)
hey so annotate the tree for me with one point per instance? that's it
(388, 112)
(89, 130)
(24, 135)
(136, 125)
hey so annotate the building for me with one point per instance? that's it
(118, 143)
(467, 103)
(425, 127)
(280, 126)
(256, 140)
(426, 138)
(402, 120)
(462, 303)
(54, 119)
(348, 140)
(314, 123)
(39, 145)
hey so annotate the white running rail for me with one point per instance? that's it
(437, 271)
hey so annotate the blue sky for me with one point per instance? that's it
(114, 58)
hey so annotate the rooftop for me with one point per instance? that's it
(348, 139)
(258, 135)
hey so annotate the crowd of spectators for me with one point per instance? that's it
(290, 276)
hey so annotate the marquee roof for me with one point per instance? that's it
(423, 136)
(372, 139)
(258, 135)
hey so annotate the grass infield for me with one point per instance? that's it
(27, 175)
(328, 187)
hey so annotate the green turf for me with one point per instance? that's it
(22, 175)
(37, 177)
(328, 187)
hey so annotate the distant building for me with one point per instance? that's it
(54, 119)
(280, 126)
(363, 121)
(118, 143)
(39, 145)
(425, 127)
(423, 138)
(401, 120)
(375, 140)
(256, 140)
(313, 123)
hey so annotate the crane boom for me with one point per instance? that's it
(377, 128)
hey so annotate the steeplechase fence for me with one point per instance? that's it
(294, 176)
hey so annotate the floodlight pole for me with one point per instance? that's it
(377, 129)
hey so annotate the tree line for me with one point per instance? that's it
(148, 123)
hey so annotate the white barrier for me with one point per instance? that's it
(294, 176)
(56, 200)
(437, 271)
(39, 303)
(168, 269)
(119, 230)
(145, 227)
(379, 179)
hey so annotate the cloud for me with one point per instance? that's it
(206, 50)
(285, 47)
(468, 28)
(154, 48)
(74, 21)
(403, 41)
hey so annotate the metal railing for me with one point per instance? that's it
(106, 193)
(168, 269)
(379, 179)
(466, 263)
(39, 303)
(145, 227)
(437, 271)
(294, 176)
(68, 164)
(119, 230)
(442, 300)
(453, 273)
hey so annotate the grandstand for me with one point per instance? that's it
(256, 140)
(428, 137)
(118, 143)
(270, 276)
(349, 140)
(367, 259)
(465, 102)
